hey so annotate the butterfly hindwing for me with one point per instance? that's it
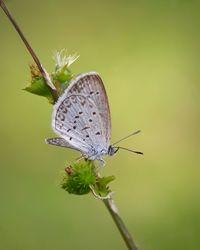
(60, 142)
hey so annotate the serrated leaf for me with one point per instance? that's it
(38, 87)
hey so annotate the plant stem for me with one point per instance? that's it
(31, 51)
(120, 224)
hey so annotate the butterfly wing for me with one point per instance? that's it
(81, 115)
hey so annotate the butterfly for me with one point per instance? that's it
(81, 118)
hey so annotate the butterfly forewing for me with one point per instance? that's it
(81, 116)
(91, 86)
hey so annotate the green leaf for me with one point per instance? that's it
(38, 87)
(102, 185)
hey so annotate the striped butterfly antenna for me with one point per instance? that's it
(126, 137)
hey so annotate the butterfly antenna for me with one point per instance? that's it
(124, 138)
(130, 150)
(31, 51)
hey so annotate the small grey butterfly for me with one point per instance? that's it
(81, 118)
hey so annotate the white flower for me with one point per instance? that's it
(62, 59)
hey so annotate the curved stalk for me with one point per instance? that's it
(31, 51)
(109, 203)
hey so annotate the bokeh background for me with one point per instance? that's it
(147, 53)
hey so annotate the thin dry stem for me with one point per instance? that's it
(109, 203)
(31, 51)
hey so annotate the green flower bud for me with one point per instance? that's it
(79, 178)
(82, 177)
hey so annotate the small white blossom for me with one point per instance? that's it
(62, 59)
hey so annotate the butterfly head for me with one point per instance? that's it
(112, 150)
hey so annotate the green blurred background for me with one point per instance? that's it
(147, 53)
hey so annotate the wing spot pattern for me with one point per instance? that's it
(85, 128)
(60, 126)
(63, 108)
(73, 98)
(69, 105)
(61, 116)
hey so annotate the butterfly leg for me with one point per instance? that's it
(79, 158)
(102, 162)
